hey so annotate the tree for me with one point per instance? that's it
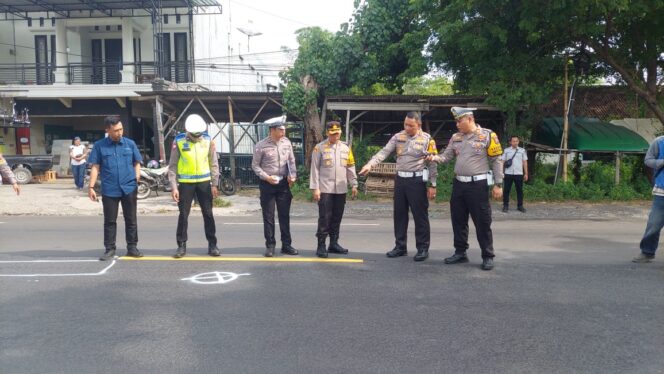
(381, 47)
(514, 51)
(318, 70)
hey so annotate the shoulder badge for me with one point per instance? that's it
(351, 158)
(494, 149)
(432, 150)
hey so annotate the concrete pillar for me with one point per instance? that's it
(61, 55)
(127, 50)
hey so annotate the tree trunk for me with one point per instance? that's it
(313, 129)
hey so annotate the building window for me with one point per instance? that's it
(166, 18)
(96, 28)
(29, 22)
(53, 21)
(178, 19)
(108, 28)
(119, 27)
(41, 21)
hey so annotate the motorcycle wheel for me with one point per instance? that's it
(227, 186)
(143, 190)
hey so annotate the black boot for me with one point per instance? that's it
(320, 250)
(182, 250)
(335, 247)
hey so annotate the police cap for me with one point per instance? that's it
(333, 127)
(278, 125)
(460, 112)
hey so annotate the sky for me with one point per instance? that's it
(276, 20)
(279, 19)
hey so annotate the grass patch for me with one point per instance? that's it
(220, 203)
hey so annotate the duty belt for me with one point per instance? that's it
(474, 178)
(409, 174)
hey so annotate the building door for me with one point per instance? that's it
(41, 60)
(181, 62)
(113, 60)
(97, 70)
(166, 56)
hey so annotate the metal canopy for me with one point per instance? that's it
(62, 7)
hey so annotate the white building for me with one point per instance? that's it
(73, 62)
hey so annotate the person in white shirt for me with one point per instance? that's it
(78, 153)
(515, 161)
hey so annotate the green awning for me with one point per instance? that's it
(589, 134)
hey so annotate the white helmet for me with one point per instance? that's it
(195, 124)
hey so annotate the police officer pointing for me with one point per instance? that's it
(332, 170)
(193, 169)
(411, 145)
(474, 149)
(274, 163)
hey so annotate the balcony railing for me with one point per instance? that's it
(26, 74)
(94, 73)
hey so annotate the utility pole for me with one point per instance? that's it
(565, 125)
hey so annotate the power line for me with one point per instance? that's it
(271, 14)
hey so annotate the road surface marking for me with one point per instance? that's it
(246, 259)
(301, 223)
(59, 275)
(45, 261)
(214, 277)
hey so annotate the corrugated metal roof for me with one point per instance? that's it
(443, 99)
(589, 134)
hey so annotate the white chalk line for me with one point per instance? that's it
(60, 275)
(44, 261)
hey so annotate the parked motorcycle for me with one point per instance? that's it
(86, 181)
(153, 179)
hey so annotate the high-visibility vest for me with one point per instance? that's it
(194, 165)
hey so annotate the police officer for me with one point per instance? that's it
(6, 172)
(274, 163)
(332, 170)
(474, 148)
(411, 145)
(193, 169)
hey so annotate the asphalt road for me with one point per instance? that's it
(563, 298)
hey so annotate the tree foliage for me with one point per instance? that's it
(514, 51)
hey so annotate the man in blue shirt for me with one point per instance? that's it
(655, 160)
(117, 159)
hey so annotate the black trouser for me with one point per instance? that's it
(471, 198)
(330, 211)
(411, 193)
(507, 187)
(279, 195)
(203, 193)
(110, 205)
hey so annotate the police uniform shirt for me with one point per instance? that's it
(410, 150)
(272, 158)
(470, 151)
(332, 168)
(517, 162)
(175, 157)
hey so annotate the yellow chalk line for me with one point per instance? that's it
(246, 259)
